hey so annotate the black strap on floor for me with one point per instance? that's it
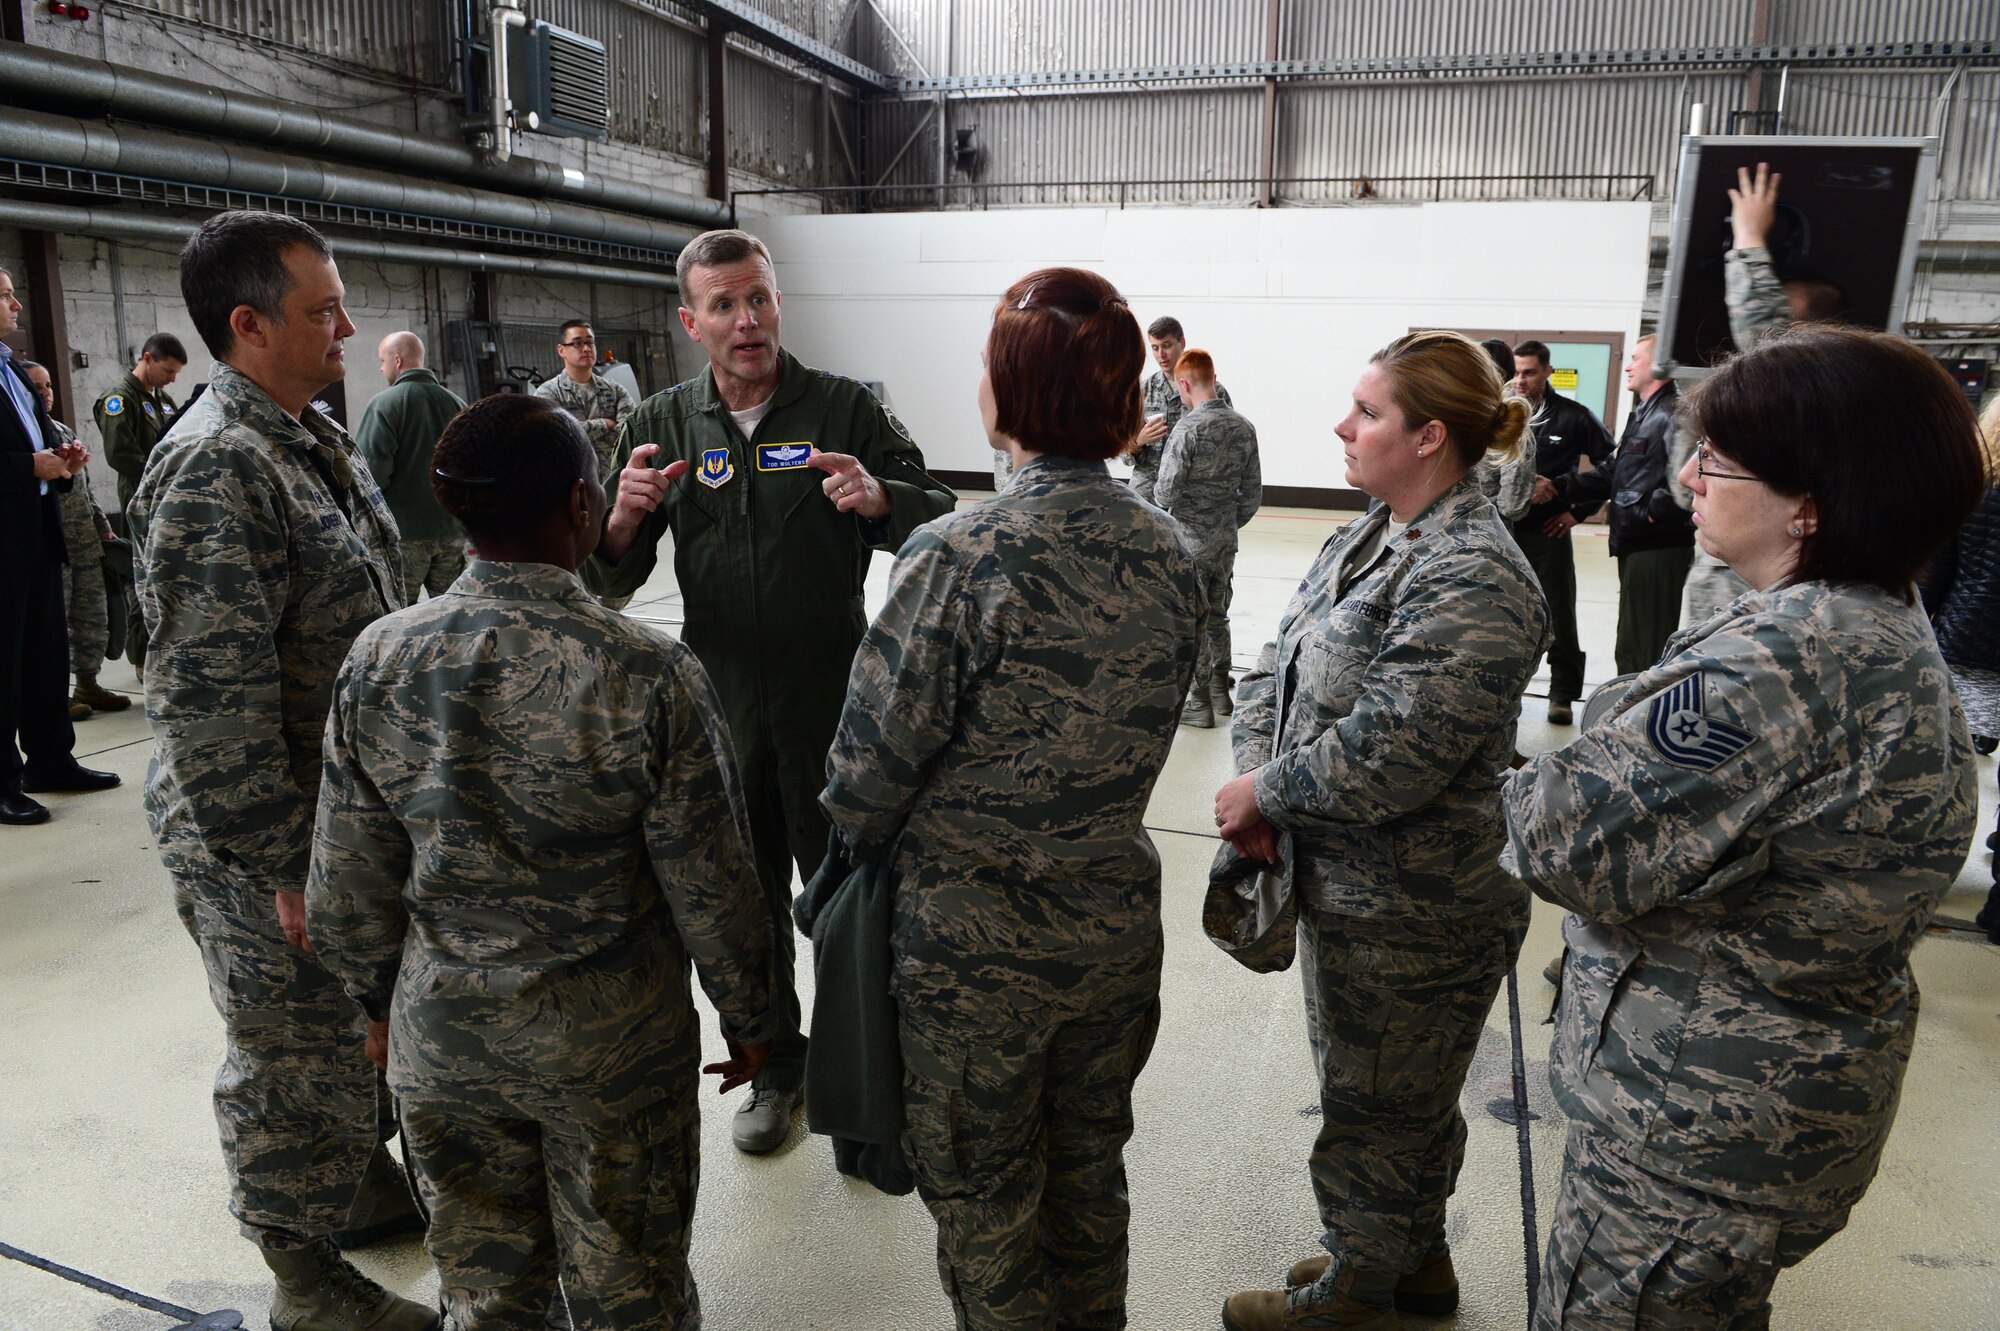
(186, 1316)
(1530, 1226)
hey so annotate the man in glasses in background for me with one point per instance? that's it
(601, 404)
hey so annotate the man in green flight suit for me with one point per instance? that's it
(777, 481)
(133, 416)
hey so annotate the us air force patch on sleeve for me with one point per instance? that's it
(1687, 738)
(114, 404)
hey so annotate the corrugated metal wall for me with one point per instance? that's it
(1594, 126)
(368, 34)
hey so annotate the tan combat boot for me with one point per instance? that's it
(1197, 711)
(1429, 1291)
(80, 711)
(319, 1290)
(96, 697)
(1221, 693)
(1327, 1304)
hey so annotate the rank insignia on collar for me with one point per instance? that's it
(1685, 736)
(114, 404)
(782, 457)
(716, 469)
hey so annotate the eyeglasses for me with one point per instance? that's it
(1701, 467)
(579, 342)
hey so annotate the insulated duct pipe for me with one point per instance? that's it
(108, 225)
(130, 150)
(505, 14)
(36, 76)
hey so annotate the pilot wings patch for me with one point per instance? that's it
(1685, 736)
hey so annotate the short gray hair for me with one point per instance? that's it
(712, 249)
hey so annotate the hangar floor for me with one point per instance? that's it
(112, 1166)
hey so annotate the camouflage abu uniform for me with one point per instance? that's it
(84, 602)
(397, 436)
(1756, 302)
(1163, 400)
(530, 825)
(264, 549)
(1752, 840)
(1509, 484)
(1011, 731)
(1379, 723)
(594, 403)
(1211, 481)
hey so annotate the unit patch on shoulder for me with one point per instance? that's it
(1685, 736)
(114, 404)
(782, 457)
(716, 469)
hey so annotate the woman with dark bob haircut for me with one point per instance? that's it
(1007, 716)
(1751, 836)
(530, 825)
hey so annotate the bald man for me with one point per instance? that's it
(397, 435)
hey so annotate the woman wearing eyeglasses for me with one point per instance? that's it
(1007, 716)
(1750, 842)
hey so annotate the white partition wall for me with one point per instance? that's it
(1290, 302)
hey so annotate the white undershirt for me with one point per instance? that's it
(748, 419)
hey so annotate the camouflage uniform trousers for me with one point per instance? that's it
(609, 1203)
(1394, 1012)
(1146, 470)
(1016, 1131)
(430, 566)
(87, 608)
(1217, 570)
(299, 1106)
(1640, 1253)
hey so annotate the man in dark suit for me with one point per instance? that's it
(34, 667)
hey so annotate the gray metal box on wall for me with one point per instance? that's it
(560, 82)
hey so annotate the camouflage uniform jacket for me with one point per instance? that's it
(530, 823)
(1753, 295)
(131, 419)
(1163, 400)
(1380, 721)
(398, 435)
(1008, 713)
(264, 548)
(83, 520)
(593, 403)
(1752, 840)
(1510, 484)
(1210, 478)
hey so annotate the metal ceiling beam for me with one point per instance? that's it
(1520, 62)
(766, 31)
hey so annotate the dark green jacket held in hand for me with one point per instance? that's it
(397, 437)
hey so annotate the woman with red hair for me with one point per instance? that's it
(1007, 716)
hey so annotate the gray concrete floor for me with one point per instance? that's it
(110, 1046)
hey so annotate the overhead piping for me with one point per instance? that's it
(37, 77)
(129, 149)
(505, 14)
(108, 225)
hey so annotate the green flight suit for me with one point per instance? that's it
(130, 420)
(771, 574)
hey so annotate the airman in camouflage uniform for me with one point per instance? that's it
(264, 548)
(1751, 841)
(1509, 483)
(1211, 481)
(1005, 735)
(1378, 725)
(594, 403)
(1162, 400)
(543, 1041)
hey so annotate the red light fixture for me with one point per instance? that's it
(63, 9)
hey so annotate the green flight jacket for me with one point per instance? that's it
(130, 420)
(397, 435)
(771, 573)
